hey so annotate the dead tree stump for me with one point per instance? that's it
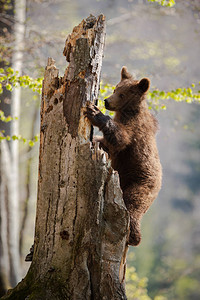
(81, 222)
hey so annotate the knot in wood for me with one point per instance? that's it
(64, 235)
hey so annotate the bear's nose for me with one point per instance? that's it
(106, 103)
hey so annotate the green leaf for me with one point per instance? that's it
(36, 138)
(10, 70)
(162, 94)
(31, 143)
(9, 87)
(14, 137)
(8, 119)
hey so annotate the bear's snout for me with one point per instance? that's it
(106, 103)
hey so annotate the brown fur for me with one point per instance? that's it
(130, 141)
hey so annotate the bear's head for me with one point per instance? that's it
(128, 94)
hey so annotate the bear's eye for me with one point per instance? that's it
(121, 96)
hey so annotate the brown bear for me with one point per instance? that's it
(130, 141)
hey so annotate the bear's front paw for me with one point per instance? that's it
(96, 117)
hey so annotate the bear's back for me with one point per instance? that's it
(139, 161)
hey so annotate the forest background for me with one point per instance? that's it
(161, 43)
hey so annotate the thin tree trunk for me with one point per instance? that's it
(10, 184)
(81, 222)
(14, 218)
(5, 164)
(5, 188)
(28, 195)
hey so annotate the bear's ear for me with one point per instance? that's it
(144, 85)
(125, 74)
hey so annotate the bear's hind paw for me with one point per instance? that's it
(134, 239)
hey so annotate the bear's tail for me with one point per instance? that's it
(135, 235)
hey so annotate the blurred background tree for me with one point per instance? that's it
(151, 40)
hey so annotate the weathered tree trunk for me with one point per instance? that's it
(81, 223)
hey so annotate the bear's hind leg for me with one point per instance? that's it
(135, 235)
(132, 197)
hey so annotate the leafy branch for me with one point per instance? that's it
(168, 3)
(10, 78)
(187, 95)
(5, 119)
(31, 143)
(5, 5)
(156, 97)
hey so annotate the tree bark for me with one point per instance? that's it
(81, 222)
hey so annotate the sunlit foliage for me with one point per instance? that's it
(10, 78)
(168, 3)
(5, 5)
(157, 99)
(136, 288)
(31, 143)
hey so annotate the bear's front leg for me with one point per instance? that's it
(115, 135)
(96, 117)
